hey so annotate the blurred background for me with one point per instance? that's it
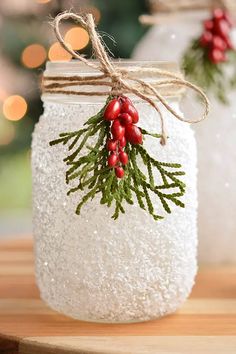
(27, 42)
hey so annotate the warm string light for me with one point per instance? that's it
(34, 56)
(77, 37)
(57, 53)
(14, 107)
(96, 13)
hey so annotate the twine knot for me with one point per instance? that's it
(120, 80)
(116, 77)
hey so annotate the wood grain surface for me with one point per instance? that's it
(206, 324)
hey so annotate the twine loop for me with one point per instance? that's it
(120, 80)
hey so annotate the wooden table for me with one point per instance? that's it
(205, 324)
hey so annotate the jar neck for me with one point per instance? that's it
(78, 79)
(75, 67)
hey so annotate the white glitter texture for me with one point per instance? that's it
(93, 268)
(168, 40)
(216, 141)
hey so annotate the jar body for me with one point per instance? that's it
(91, 267)
(216, 145)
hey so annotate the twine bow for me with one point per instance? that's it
(120, 79)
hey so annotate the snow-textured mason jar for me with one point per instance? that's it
(91, 267)
(169, 38)
(216, 140)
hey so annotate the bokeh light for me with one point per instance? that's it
(33, 56)
(57, 53)
(77, 37)
(7, 132)
(95, 12)
(14, 107)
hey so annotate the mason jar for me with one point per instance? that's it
(215, 138)
(172, 33)
(92, 267)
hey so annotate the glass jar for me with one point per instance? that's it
(215, 138)
(91, 267)
(170, 37)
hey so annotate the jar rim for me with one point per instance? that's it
(75, 66)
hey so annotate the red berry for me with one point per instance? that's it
(208, 24)
(111, 145)
(123, 157)
(125, 118)
(112, 160)
(119, 172)
(216, 56)
(133, 134)
(221, 28)
(219, 43)
(218, 14)
(112, 109)
(127, 107)
(206, 38)
(118, 130)
(122, 142)
(124, 99)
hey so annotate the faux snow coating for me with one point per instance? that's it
(91, 267)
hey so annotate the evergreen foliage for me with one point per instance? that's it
(87, 164)
(213, 77)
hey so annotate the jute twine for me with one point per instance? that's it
(118, 79)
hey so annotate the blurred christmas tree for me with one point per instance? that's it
(27, 42)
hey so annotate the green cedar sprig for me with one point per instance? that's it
(210, 76)
(87, 166)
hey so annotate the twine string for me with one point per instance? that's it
(120, 80)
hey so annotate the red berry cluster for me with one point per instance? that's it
(124, 116)
(216, 37)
